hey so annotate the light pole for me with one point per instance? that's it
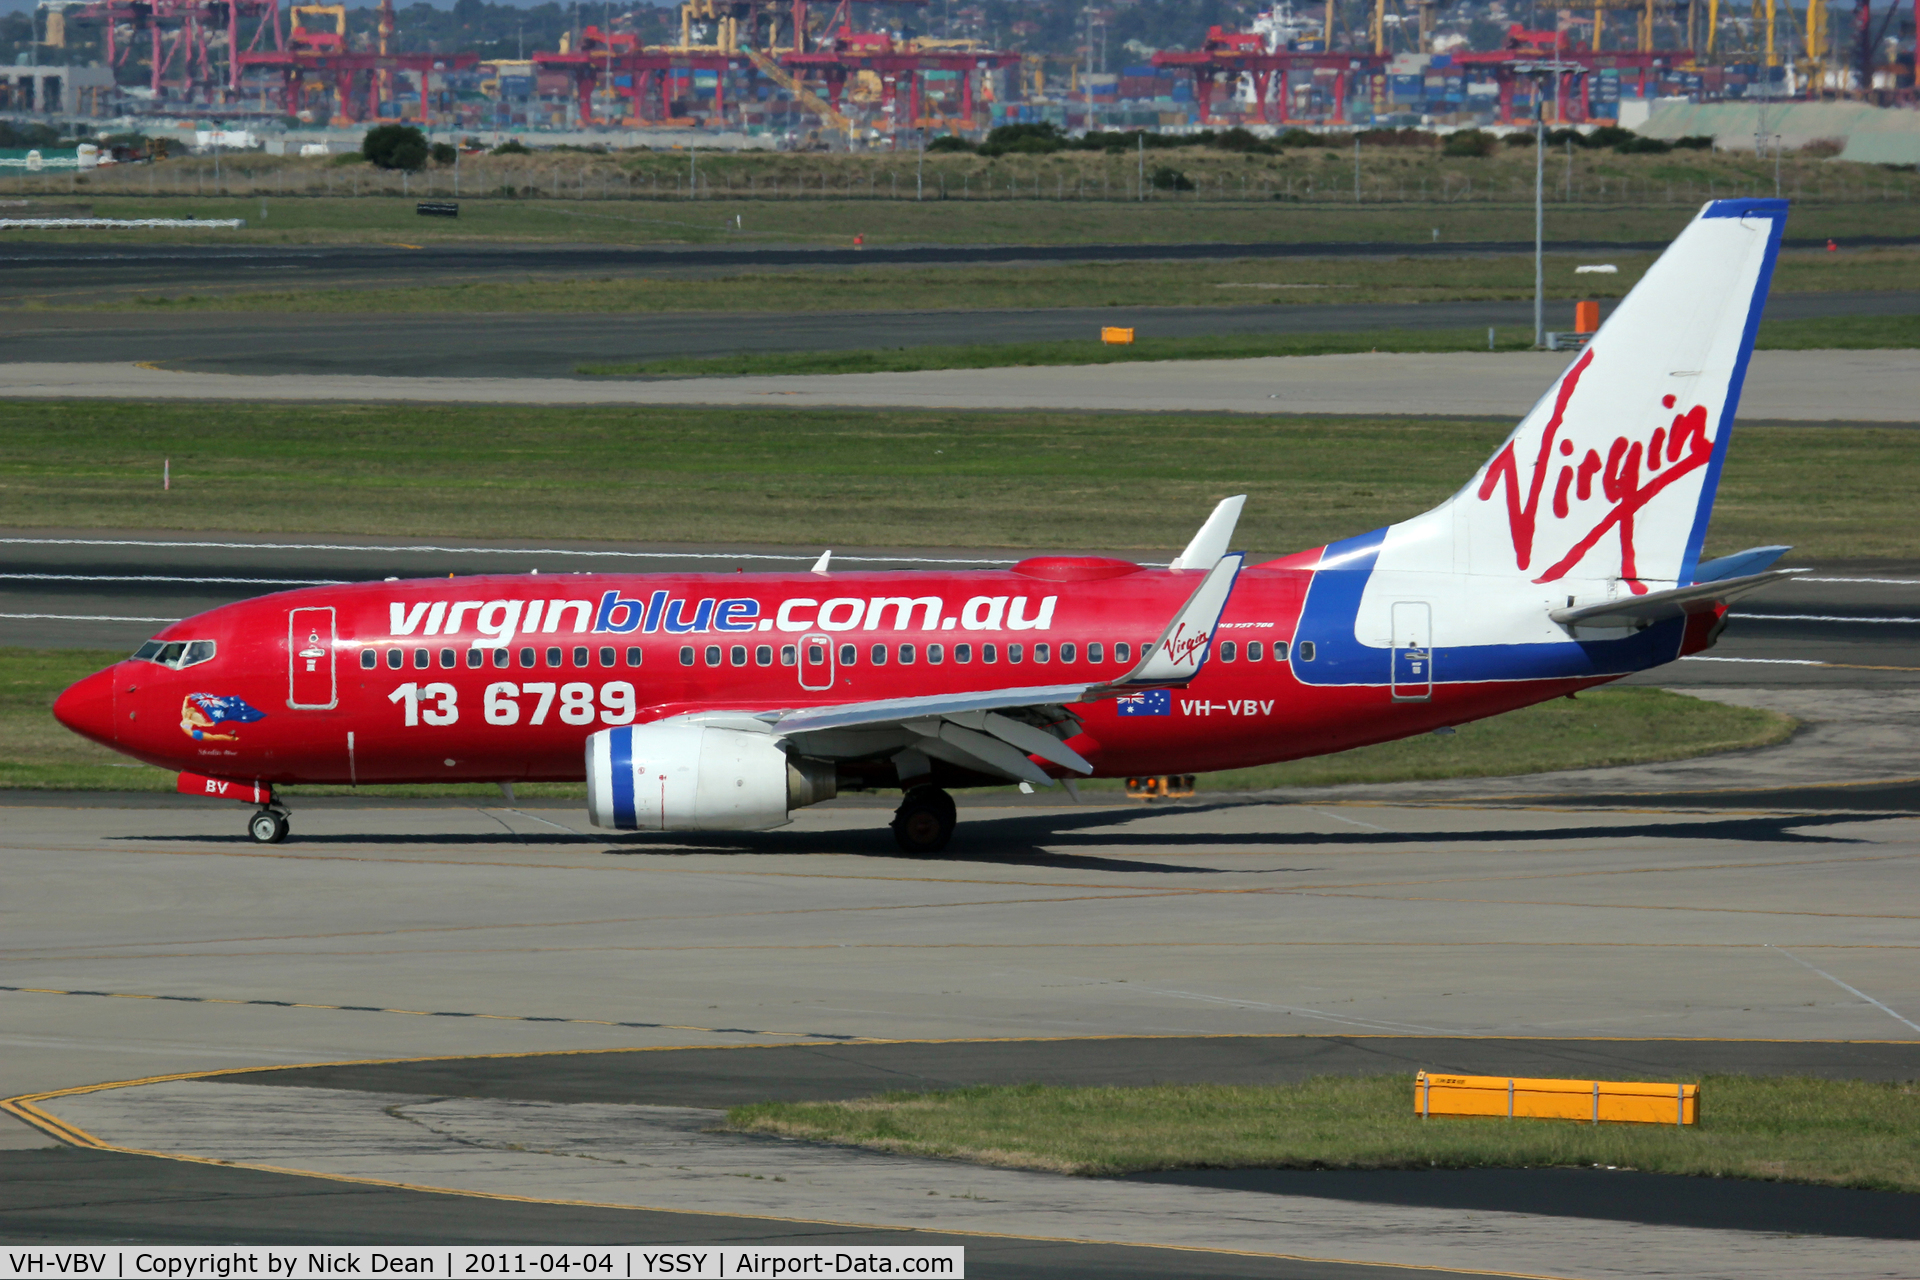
(1086, 85)
(1538, 71)
(1539, 217)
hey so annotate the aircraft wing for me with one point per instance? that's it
(1659, 606)
(994, 731)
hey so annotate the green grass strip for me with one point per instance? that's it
(992, 355)
(1122, 483)
(1841, 333)
(1845, 332)
(1837, 1132)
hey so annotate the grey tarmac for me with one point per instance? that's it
(1857, 387)
(670, 1158)
(67, 1196)
(147, 941)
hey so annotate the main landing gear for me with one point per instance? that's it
(269, 826)
(924, 821)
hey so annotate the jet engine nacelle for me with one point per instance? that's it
(693, 777)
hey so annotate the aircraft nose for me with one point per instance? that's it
(87, 707)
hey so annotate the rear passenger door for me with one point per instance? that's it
(1412, 651)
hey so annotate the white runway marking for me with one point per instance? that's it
(1343, 818)
(557, 826)
(1846, 987)
(1813, 617)
(1373, 1024)
(487, 551)
(154, 577)
(82, 617)
(1783, 662)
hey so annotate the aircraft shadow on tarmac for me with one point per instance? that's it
(1036, 839)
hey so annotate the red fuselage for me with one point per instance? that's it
(501, 678)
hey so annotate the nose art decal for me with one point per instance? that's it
(209, 717)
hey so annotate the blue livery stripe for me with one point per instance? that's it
(1775, 211)
(620, 766)
(1332, 609)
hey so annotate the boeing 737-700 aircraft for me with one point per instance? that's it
(694, 702)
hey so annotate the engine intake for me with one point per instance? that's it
(692, 777)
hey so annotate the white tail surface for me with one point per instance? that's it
(1612, 475)
(1602, 492)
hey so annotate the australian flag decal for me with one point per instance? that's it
(221, 710)
(1150, 702)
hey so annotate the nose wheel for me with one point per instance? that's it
(924, 821)
(269, 826)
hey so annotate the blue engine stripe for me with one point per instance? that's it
(620, 765)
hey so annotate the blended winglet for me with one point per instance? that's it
(1213, 539)
(1181, 650)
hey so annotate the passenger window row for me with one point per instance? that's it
(906, 655)
(526, 658)
(934, 655)
(1255, 650)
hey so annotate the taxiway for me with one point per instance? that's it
(555, 345)
(1843, 387)
(1268, 939)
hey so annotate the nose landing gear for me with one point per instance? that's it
(924, 821)
(269, 826)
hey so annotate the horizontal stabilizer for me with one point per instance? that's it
(1660, 606)
(1740, 564)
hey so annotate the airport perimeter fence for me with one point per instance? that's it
(495, 178)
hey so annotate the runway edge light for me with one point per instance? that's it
(1615, 1101)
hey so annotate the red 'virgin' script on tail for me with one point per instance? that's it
(1520, 518)
(1672, 452)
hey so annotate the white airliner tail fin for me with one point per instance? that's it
(1612, 474)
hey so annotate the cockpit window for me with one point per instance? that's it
(178, 654)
